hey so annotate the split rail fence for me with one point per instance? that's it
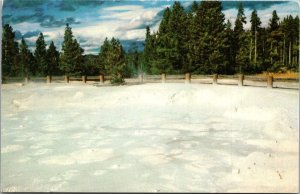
(240, 80)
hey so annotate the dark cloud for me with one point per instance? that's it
(51, 22)
(72, 5)
(31, 34)
(47, 21)
(18, 35)
(65, 5)
(23, 3)
(258, 5)
(82, 40)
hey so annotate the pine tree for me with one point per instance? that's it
(275, 40)
(112, 56)
(255, 28)
(290, 28)
(66, 64)
(9, 51)
(274, 25)
(164, 24)
(148, 51)
(116, 62)
(194, 7)
(71, 56)
(208, 44)
(40, 56)
(228, 50)
(240, 52)
(25, 58)
(78, 59)
(91, 65)
(52, 60)
(177, 37)
(103, 56)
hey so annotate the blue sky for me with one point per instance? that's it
(93, 20)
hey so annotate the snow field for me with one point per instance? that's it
(149, 138)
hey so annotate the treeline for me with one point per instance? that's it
(200, 41)
(196, 41)
(18, 60)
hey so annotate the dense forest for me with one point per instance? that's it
(201, 41)
(198, 40)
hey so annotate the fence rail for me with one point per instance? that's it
(241, 80)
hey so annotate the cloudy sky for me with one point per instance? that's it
(93, 20)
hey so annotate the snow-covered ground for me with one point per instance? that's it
(149, 137)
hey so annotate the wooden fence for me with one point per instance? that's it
(240, 80)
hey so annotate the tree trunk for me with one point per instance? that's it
(283, 61)
(290, 52)
(255, 49)
(271, 53)
(250, 54)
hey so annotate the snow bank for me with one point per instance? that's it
(149, 138)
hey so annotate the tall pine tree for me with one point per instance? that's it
(40, 56)
(9, 51)
(25, 58)
(72, 54)
(255, 28)
(52, 60)
(241, 41)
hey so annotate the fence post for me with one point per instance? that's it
(101, 78)
(83, 78)
(26, 79)
(141, 78)
(49, 79)
(163, 78)
(67, 79)
(241, 80)
(188, 78)
(270, 81)
(215, 78)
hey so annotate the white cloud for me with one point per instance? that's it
(26, 26)
(122, 8)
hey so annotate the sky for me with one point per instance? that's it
(94, 20)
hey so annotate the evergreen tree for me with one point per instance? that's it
(255, 28)
(240, 20)
(274, 21)
(177, 37)
(228, 50)
(25, 58)
(40, 56)
(275, 41)
(116, 62)
(209, 44)
(112, 57)
(290, 30)
(78, 59)
(240, 52)
(91, 65)
(71, 56)
(9, 51)
(52, 60)
(148, 54)
(194, 7)
(103, 56)
(164, 24)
